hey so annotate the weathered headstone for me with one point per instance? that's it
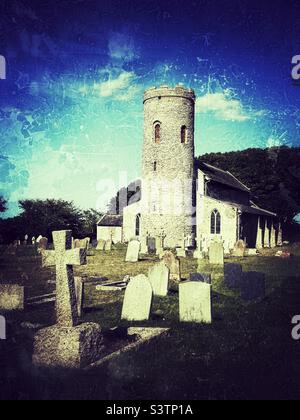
(79, 286)
(267, 235)
(253, 286)
(11, 297)
(2, 328)
(280, 236)
(173, 264)
(233, 276)
(133, 251)
(216, 253)
(239, 249)
(66, 344)
(159, 279)
(42, 244)
(259, 236)
(138, 299)
(100, 245)
(273, 237)
(202, 277)
(151, 245)
(181, 252)
(108, 246)
(195, 302)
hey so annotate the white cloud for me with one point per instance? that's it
(115, 86)
(122, 47)
(225, 107)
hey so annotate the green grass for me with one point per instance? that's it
(247, 353)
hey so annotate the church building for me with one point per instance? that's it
(185, 203)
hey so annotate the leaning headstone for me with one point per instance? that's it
(100, 245)
(202, 277)
(216, 253)
(11, 297)
(138, 299)
(159, 279)
(67, 344)
(133, 251)
(108, 246)
(233, 276)
(195, 302)
(239, 249)
(173, 264)
(253, 286)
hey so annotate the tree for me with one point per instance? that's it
(3, 205)
(40, 217)
(91, 218)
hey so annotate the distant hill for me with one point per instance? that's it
(273, 175)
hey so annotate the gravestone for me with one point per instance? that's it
(133, 251)
(239, 249)
(12, 297)
(42, 244)
(253, 286)
(202, 277)
(233, 276)
(2, 328)
(100, 245)
(151, 245)
(159, 279)
(195, 302)
(138, 299)
(216, 253)
(173, 264)
(108, 246)
(79, 286)
(144, 245)
(66, 344)
(181, 252)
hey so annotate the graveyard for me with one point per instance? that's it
(242, 350)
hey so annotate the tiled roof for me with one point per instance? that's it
(222, 177)
(111, 220)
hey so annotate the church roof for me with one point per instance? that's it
(222, 177)
(111, 220)
(252, 209)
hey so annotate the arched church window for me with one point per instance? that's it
(215, 223)
(157, 132)
(155, 166)
(138, 225)
(184, 134)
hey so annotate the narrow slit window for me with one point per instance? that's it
(215, 223)
(157, 133)
(184, 134)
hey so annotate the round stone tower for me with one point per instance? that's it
(168, 178)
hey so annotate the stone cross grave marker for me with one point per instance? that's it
(195, 302)
(133, 251)
(159, 276)
(138, 299)
(216, 253)
(63, 258)
(233, 274)
(253, 286)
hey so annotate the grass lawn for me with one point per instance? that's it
(247, 353)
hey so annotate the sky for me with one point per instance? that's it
(71, 110)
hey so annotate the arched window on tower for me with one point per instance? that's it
(184, 134)
(157, 132)
(215, 223)
(155, 166)
(138, 225)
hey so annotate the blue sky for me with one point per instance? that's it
(71, 113)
